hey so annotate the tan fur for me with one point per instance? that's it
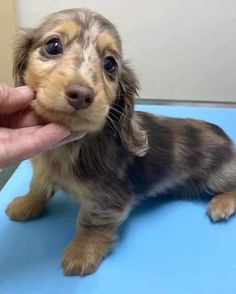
(84, 254)
(50, 78)
(49, 82)
(69, 29)
(25, 207)
(106, 43)
(60, 171)
(222, 206)
(47, 166)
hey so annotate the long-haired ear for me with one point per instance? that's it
(133, 137)
(22, 46)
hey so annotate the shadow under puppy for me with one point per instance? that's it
(74, 63)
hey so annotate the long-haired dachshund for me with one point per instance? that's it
(74, 63)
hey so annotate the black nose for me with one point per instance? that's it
(79, 97)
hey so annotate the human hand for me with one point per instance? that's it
(22, 133)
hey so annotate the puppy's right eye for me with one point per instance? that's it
(53, 47)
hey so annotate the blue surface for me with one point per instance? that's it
(164, 247)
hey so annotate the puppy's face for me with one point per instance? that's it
(74, 65)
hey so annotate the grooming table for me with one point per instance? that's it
(165, 247)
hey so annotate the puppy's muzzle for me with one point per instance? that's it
(80, 97)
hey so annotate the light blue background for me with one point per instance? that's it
(164, 247)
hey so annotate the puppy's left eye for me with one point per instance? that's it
(110, 64)
(53, 47)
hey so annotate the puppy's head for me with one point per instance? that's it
(74, 63)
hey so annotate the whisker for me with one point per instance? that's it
(121, 108)
(126, 94)
(121, 113)
(111, 124)
(108, 123)
(115, 117)
(117, 110)
(115, 125)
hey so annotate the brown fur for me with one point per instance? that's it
(125, 155)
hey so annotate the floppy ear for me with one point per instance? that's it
(133, 137)
(22, 47)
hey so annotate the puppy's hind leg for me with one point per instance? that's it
(31, 205)
(223, 204)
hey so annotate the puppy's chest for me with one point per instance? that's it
(60, 168)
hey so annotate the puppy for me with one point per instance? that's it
(74, 63)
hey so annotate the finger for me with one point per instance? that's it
(11, 134)
(26, 119)
(24, 143)
(13, 99)
(6, 134)
(22, 119)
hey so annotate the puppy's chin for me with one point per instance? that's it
(72, 121)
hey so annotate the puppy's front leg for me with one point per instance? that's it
(96, 235)
(33, 203)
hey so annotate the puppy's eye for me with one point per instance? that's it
(110, 64)
(53, 47)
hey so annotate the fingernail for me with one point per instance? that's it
(25, 90)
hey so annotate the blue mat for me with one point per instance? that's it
(164, 247)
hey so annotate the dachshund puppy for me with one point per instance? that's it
(74, 63)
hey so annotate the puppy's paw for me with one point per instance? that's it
(80, 259)
(24, 208)
(221, 207)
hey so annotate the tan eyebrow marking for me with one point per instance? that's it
(106, 42)
(68, 28)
